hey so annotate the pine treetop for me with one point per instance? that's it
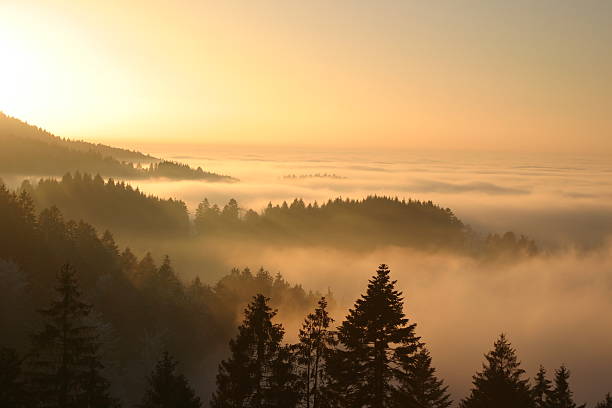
(500, 383)
(378, 315)
(167, 388)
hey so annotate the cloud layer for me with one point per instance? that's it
(560, 201)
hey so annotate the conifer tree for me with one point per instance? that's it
(146, 271)
(28, 208)
(129, 264)
(108, 241)
(231, 210)
(541, 389)
(420, 388)
(259, 371)
(562, 396)
(377, 341)
(167, 280)
(201, 214)
(606, 403)
(500, 384)
(65, 370)
(316, 341)
(168, 389)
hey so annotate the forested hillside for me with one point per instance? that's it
(13, 127)
(111, 204)
(374, 221)
(120, 314)
(141, 307)
(123, 312)
(338, 223)
(29, 150)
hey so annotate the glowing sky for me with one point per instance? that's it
(470, 74)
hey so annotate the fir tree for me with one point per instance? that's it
(167, 280)
(65, 370)
(129, 264)
(606, 403)
(258, 373)
(501, 383)
(541, 389)
(168, 389)
(377, 341)
(420, 388)
(231, 211)
(146, 271)
(108, 241)
(562, 396)
(201, 214)
(316, 341)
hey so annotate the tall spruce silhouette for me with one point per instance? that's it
(376, 343)
(259, 372)
(500, 384)
(65, 368)
(541, 389)
(168, 389)
(316, 342)
(562, 396)
(420, 388)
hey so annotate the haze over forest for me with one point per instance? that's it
(322, 156)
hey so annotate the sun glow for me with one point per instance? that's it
(24, 80)
(312, 73)
(47, 71)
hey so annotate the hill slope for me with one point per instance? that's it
(29, 150)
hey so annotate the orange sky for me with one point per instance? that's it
(478, 74)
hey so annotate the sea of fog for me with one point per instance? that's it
(557, 200)
(556, 307)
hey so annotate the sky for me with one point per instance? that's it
(516, 75)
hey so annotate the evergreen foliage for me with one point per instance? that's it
(354, 224)
(420, 388)
(140, 300)
(110, 205)
(561, 396)
(30, 150)
(500, 384)
(376, 360)
(65, 370)
(377, 342)
(259, 371)
(541, 389)
(168, 389)
(316, 343)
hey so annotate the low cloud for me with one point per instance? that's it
(555, 309)
(429, 186)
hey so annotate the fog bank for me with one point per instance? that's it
(555, 309)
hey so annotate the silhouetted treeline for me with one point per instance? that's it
(356, 224)
(112, 205)
(374, 358)
(29, 150)
(341, 223)
(314, 176)
(141, 306)
(180, 171)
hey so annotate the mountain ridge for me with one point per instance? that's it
(30, 150)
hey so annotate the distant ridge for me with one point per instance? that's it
(29, 150)
(15, 127)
